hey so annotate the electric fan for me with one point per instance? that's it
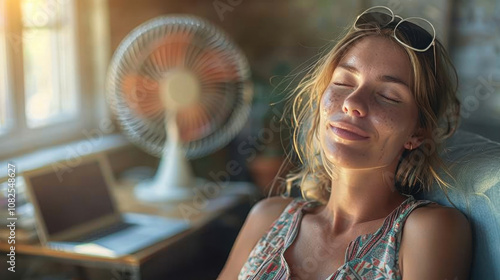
(179, 88)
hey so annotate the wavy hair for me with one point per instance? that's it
(438, 115)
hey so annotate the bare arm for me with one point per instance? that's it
(260, 218)
(436, 244)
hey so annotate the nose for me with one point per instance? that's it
(355, 104)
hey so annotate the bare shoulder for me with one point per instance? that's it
(436, 244)
(262, 215)
(437, 220)
(269, 209)
(257, 223)
(436, 217)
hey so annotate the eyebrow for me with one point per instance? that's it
(384, 78)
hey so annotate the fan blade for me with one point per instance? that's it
(141, 95)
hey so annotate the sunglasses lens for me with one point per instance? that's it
(416, 32)
(380, 17)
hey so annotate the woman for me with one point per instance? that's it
(369, 119)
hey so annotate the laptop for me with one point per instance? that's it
(75, 211)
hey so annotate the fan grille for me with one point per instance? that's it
(165, 44)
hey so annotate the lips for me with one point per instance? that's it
(348, 131)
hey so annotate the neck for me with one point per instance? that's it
(360, 196)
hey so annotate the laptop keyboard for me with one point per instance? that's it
(102, 232)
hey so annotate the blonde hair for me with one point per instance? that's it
(435, 97)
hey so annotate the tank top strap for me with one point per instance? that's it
(265, 255)
(406, 211)
(280, 229)
(364, 244)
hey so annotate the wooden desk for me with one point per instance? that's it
(163, 256)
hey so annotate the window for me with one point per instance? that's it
(52, 84)
(49, 61)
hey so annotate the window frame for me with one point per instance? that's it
(8, 75)
(91, 29)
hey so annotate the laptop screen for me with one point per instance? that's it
(72, 196)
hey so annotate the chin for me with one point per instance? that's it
(341, 155)
(346, 156)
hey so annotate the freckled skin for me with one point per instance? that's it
(385, 110)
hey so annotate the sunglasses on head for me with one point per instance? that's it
(419, 34)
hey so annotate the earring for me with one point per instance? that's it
(411, 146)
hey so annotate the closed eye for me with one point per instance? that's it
(342, 85)
(389, 98)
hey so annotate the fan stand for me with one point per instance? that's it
(174, 178)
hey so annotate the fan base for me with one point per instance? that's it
(148, 191)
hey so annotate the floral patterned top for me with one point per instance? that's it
(369, 256)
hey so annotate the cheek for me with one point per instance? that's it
(387, 121)
(393, 122)
(330, 102)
